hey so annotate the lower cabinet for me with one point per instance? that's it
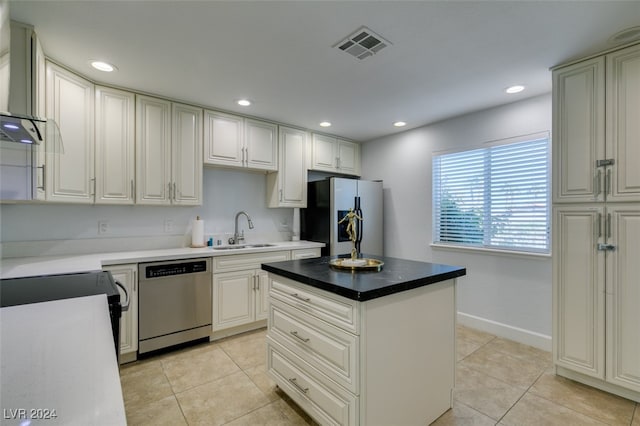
(240, 290)
(127, 275)
(389, 360)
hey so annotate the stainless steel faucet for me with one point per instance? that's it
(239, 238)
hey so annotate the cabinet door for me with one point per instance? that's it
(70, 166)
(623, 296)
(115, 146)
(187, 155)
(578, 285)
(260, 145)
(127, 275)
(40, 110)
(223, 139)
(153, 151)
(233, 299)
(323, 153)
(261, 291)
(578, 132)
(288, 187)
(623, 127)
(348, 157)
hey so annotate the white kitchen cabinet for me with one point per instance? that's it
(153, 151)
(307, 253)
(115, 146)
(127, 275)
(234, 141)
(40, 110)
(596, 287)
(596, 137)
(357, 363)
(623, 296)
(622, 181)
(288, 187)
(70, 168)
(186, 158)
(168, 159)
(240, 291)
(329, 154)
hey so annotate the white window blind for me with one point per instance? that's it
(493, 197)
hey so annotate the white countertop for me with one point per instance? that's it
(57, 358)
(52, 265)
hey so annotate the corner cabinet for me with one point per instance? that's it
(329, 154)
(169, 152)
(127, 275)
(288, 187)
(69, 166)
(239, 142)
(596, 285)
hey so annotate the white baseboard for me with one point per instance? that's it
(516, 334)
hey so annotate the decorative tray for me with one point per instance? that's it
(363, 264)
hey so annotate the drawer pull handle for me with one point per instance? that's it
(295, 334)
(300, 388)
(297, 296)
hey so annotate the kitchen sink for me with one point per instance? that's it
(242, 246)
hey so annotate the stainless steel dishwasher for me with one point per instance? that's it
(174, 302)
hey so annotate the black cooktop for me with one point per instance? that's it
(21, 291)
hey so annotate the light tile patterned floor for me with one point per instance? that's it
(499, 382)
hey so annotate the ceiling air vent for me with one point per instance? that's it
(362, 43)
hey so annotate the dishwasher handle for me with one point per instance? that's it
(126, 293)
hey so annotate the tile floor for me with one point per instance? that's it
(499, 382)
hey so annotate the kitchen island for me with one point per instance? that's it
(364, 348)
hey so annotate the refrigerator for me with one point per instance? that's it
(329, 200)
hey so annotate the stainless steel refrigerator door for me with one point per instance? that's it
(343, 192)
(370, 194)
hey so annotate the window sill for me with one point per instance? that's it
(484, 250)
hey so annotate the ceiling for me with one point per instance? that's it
(446, 58)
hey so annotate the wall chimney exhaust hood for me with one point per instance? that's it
(17, 90)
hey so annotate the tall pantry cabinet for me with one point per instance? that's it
(596, 221)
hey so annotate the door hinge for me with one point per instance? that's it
(605, 162)
(606, 247)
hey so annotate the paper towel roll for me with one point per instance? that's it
(295, 228)
(197, 233)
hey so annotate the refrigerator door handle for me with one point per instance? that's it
(359, 227)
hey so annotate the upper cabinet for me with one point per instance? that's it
(329, 154)
(115, 146)
(234, 141)
(596, 137)
(288, 187)
(69, 171)
(168, 151)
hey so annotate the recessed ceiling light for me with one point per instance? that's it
(11, 127)
(26, 141)
(399, 124)
(103, 66)
(244, 102)
(325, 124)
(514, 89)
(625, 36)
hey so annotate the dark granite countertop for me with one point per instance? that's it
(397, 275)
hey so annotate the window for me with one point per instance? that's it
(494, 197)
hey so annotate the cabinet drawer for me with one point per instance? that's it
(334, 309)
(240, 262)
(326, 404)
(330, 349)
(305, 253)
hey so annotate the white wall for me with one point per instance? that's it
(225, 193)
(505, 294)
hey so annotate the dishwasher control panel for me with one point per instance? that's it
(171, 269)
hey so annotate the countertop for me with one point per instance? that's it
(57, 359)
(53, 265)
(396, 275)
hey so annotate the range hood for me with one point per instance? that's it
(18, 123)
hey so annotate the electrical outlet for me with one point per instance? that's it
(103, 227)
(168, 226)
